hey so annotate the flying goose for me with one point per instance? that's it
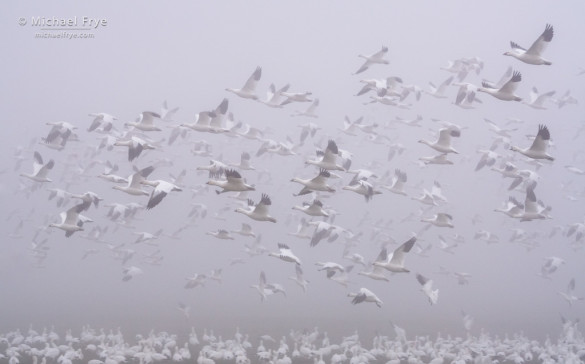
(273, 96)
(537, 99)
(40, 169)
(376, 58)
(398, 182)
(248, 91)
(145, 121)
(443, 143)
(538, 148)
(427, 288)
(314, 208)
(296, 97)
(328, 159)
(569, 295)
(363, 188)
(134, 182)
(161, 189)
(394, 262)
(246, 230)
(221, 234)
(365, 295)
(234, 182)
(310, 111)
(299, 279)
(71, 220)
(135, 146)
(106, 121)
(317, 183)
(440, 219)
(533, 55)
(260, 211)
(284, 253)
(506, 92)
(439, 92)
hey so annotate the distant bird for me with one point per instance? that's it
(106, 121)
(569, 295)
(296, 97)
(233, 183)
(145, 121)
(539, 146)
(532, 209)
(533, 55)
(284, 253)
(299, 279)
(40, 169)
(259, 212)
(427, 288)
(161, 189)
(195, 281)
(70, 220)
(131, 272)
(394, 262)
(537, 100)
(439, 92)
(135, 146)
(274, 96)
(134, 182)
(221, 234)
(363, 188)
(365, 295)
(443, 143)
(314, 208)
(246, 230)
(310, 111)
(506, 92)
(398, 182)
(317, 183)
(248, 91)
(440, 219)
(376, 58)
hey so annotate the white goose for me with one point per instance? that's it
(135, 146)
(102, 119)
(317, 183)
(443, 143)
(439, 92)
(363, 188)
(248, 91)
(398, 182)
(246, 230)
(532, 55)
(532, 209)
(234, 182)
(134, 182)
(365, 295)
(376, 58)
(395, 262)
(284, 253)
(299, 279)
(221, 234)
(537, 100)
(161, 189)
(310, 111)
(296, 97)
(539, 146)
(260, 211)
(506, 92)
(314, 208)
(440, 219)
(145, 121)
(427, 288)
(40, 169)
(274, 96)
(71, 221)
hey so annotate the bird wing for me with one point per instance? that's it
(512, 84)
(541, 141)
(541, 42)
(250, 84)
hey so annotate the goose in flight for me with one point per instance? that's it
(260, 211)
(363, 188)
(40, 169)
(248, 91)
(440, 219)
(439, 92)
(234, 182)
(537, 99)
(443, 143)
(161, 189)
(328, 158)
(398, 182)
(533, 55)
(376, 58)
(310, 111)
(314, 208)
(569, 295)
(539, 146)
(317, 183)
(246, 230)
(131, 272)
(145, 121)
(427, 288)
(394, 262)
(134, 182)
(299, 279)
(296, 97)
(71, 220)
(274, 96)
(284, 253)
(365, 295)
(135, 146)
(532, 209)
(506, 92)
(106, 121)
(221, 234)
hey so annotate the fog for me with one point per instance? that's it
(187, 54)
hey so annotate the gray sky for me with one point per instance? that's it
(187, 53)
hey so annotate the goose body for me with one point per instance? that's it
(539, 146)
(260, 211)
(365, 295)
(135, 181)
(248, 91)
(506, 92)
(533, 55)
(284, 253)
(395, 262)
(40, 169)
(443, 143)
(234, 182)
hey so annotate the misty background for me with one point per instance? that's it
(187, 53)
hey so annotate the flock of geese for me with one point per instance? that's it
(95, 346)
(322, 183)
